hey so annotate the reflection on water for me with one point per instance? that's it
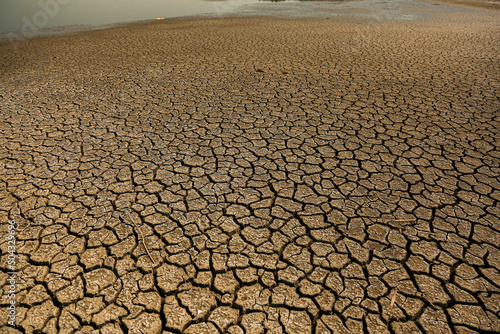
(36, 15)
(20, 19)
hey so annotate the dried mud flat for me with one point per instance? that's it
(254, 175)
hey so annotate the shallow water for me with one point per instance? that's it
(32, 17)
(22, 19)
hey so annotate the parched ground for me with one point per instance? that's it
(254, 175)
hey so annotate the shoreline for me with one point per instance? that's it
(485, 5)
(75, 29)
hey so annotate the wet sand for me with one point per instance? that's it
(254, 174)
(481, 4)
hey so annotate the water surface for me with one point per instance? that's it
(27, 18)
(24, 17)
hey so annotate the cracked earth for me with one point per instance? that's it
(251, 175)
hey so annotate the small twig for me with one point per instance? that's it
(143, 239)
(28, 223)
(393, 299)
(398, 223)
